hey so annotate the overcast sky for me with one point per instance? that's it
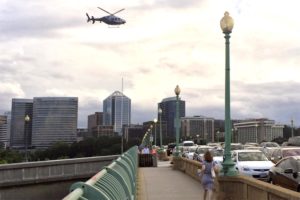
(48, 49)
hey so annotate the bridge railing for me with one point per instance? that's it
(116, 181)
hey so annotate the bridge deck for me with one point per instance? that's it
(162, 182)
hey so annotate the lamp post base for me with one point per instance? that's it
(228, 169)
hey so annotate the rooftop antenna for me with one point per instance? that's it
(292, 127)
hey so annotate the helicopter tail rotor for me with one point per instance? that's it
(88, 18)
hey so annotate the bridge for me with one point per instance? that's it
(166, 181)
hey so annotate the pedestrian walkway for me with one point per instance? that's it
(162, 182)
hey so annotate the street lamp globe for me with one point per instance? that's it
(155, 120)
(159, 111)
(27, 118)
(226, 23)
(177, 90)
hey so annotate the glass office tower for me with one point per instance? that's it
(20, 108)
(117, 111)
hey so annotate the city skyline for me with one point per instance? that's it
(48, 49)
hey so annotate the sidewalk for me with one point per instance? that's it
(162, 182)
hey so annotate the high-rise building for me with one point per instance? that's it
(20, 108)
(258, 130)
(54, 120)
(3, 131)
(168, 107)
(8, 120)
(199, 127)
(117, 111)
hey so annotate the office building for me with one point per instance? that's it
(20, 108)
(103, 130)
(117, 111)
(168, 107)
(258, 130)
(94, 120)
(199, 127)
(3, 131)
(133, 132)
(8, 121)
(54, 120)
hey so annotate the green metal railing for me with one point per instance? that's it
(115, 182)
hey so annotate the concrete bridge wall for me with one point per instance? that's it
(238, 187)
(47, 179)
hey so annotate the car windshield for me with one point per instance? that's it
(271, 145)
(290, 152)
(192, 149)
(252, 156)
(202, 150)
(217, 153)
(236, 147)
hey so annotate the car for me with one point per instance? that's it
(218, 156)
(253, 163)
(234, 146)
(189, 152)
(286, 173)
(269, 144)
(283, 152)
(268, 151)
(188, 143)
(200, 151)
(170, 148)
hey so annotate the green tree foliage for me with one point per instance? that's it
(100, 146)
(10, 156)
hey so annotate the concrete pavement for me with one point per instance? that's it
(162, 182)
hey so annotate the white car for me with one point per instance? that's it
(252, 163)
(189, 152)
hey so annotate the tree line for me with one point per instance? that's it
(100, 146)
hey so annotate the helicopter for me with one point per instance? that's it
(110, 19)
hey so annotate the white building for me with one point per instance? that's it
(258, 130)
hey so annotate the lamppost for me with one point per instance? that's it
(226, 24)
(160, 134)
(218, 135)
(155, 121)
(27, 120)
(256, 135)
(177, 92)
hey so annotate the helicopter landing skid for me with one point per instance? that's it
(113, 26)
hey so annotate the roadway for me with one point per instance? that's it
(162, 182)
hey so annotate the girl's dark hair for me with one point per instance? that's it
(208, 157)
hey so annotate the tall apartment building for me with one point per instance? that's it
(168, 107)
(20, 108)
(258, 130)
(3, 131)
(8, 121)
(54, 120)
(117, 111)
(198, 127)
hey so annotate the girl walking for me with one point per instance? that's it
(208, 174)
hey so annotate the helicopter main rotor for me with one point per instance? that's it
(109, 12)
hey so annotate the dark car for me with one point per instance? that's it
(286, 173)
(170, 148)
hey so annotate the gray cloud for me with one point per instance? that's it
(28, 20)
